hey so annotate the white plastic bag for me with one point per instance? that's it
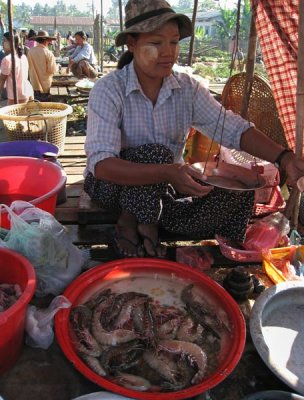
(37, 235)
(39, 323)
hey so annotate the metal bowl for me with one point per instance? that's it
(277, 330)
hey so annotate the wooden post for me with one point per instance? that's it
(294, 198)
(12, 44)
(190, 55)
(101, 36)
(96, 42)
(250, 62)
(300, 84)
(120, 18)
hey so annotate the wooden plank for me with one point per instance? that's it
(74, 170)
(73, 163)
(73, 153)
(75, 146)
(75, 179)
(62, 91)
(54, 91)
(74, 190)
(75, 139)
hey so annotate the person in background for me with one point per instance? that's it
(57, 45)
(23, 86)
(23, 36)
(42, 65)
(240, 59)
(139, 117)
(70, 39)
(30, 41)
(2, 30)
(82, 60)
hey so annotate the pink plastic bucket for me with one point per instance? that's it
(16, 269)
(30, 179)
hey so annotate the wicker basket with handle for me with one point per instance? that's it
(36, 121)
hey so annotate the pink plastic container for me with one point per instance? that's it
(237, 254)
(30, 179)
(14, 268)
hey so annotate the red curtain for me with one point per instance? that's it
(277, 28)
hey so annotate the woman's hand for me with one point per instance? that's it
(294, 167)
(182, 178)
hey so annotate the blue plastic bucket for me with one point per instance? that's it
(27, 148)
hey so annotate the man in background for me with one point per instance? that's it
(82, 60)
(42, 66)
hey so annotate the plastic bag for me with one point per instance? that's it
(39, 323)
(267, 233)
(37, 235)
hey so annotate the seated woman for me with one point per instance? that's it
(82, 60)
(24, 88)
(139, 117)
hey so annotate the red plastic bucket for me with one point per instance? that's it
(30, 179)
(108, 274)
(16, 269)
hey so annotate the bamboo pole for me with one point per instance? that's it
(190, 55)
(293, 204)
(120, 19)
(101, 36)
(12, 44)
(250, 62)
(300, 83)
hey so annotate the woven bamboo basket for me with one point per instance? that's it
(36, 121)
(262, 110)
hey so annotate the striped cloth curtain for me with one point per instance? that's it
(277, 29)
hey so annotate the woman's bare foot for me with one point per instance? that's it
(126, 236)
(152, 245)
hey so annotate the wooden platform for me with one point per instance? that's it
(89, 225)
(67, 94)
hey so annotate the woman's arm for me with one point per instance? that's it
(180, 176)
(258, 144)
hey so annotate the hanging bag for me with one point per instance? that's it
(38, 236)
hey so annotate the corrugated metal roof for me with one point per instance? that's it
(49, 20)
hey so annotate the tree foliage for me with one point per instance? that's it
(22, 13)
(208, 5)
(113, 12)
(184, 5)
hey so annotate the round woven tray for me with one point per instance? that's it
(262, 110)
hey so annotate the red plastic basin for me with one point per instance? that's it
(16, 269)
(30, 179)
(128, 270)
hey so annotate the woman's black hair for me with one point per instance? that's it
(124, 59)
(18, 48)
(31, 33)
(82, 34)
(127, 56)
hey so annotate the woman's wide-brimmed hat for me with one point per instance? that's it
(43, 35)
(144, 16)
